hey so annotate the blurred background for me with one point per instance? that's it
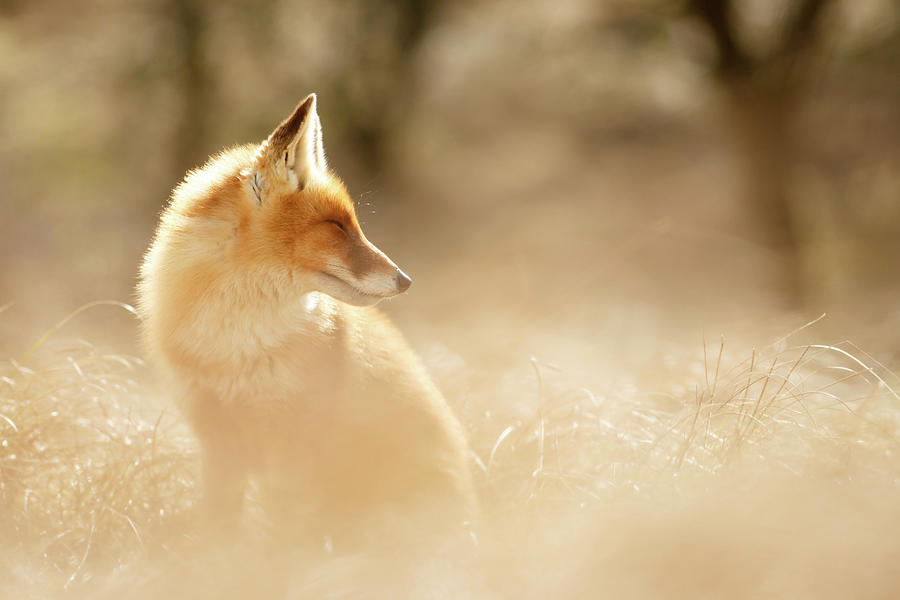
(586, 193)
(580, 180)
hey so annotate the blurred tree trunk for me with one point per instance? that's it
(760, 119)
(193, 81)
(378, 94)
(761, 95)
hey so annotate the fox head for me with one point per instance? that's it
(307, 217)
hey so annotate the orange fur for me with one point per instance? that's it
(253, 298)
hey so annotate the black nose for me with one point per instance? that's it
(403, 281)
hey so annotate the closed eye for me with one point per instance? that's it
(337, 224)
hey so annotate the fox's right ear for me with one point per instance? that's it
(293, 152)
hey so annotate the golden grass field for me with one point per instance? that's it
(574, 187)
(766, 472)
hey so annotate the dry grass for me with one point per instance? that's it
(809, 410)
(90, 478)
(743, 476)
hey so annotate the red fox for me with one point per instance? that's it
(255, 297)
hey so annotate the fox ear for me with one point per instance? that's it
(294, 151)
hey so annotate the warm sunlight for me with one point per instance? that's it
(555, 299)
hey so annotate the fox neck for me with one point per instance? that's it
(268, 312)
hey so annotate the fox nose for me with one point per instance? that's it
(403, 281)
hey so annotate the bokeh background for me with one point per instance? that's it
(585, 170)
(586, 193)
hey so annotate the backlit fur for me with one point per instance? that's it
(252, 297)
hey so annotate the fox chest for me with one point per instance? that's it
(287, 382)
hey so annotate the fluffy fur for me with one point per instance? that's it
(254, 298)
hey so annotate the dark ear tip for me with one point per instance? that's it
(284, 134)
(308, 104)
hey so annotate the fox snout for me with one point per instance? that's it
(403, 281)
(365, 277)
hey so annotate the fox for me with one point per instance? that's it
(257, 301)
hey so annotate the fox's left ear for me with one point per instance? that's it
(294, 152)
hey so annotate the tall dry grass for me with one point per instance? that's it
(91, 477)
(769, 472)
